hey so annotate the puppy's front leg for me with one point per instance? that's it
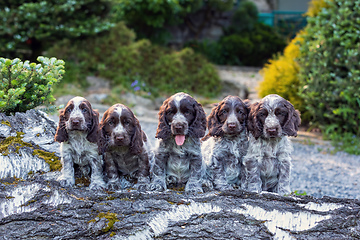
(158, 175)
(67, 178)
(112, 173)
(219, 177)
(283, 186)
(97, 180)
(252, 174)
(196, 169)
(144, 172)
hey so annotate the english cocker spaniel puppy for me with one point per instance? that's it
(226, 144)
(78, 134)
(268, 160)
(125, 148)
(178, 160)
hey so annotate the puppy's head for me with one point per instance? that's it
(228, 117)
(120, 128)
(78, 115)
(181, 116)
(273, 117)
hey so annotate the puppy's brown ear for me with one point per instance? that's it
(293, 122)
(93, 128)
(198, 127)
(61, 134)
(253, 124)
(213, 123)
(103, 138)
(163, 130)
(136, 139)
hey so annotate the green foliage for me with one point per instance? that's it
(245, 41)
(26, 85)
(34, 25)
(329, 69)
(245, 17)
(149, 18)
(248, 48)
(116, 55)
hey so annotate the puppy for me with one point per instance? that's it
(268, 161)
(126, 151)
(78, 133)
(178, 160)
(226, 143)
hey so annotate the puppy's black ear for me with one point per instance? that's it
(93, 130)
(293, 122)
(198, 127)
(253, 124)
(136, 139)
(213, 122)
(163, 130)
(61, 134)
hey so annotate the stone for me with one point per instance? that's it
(40, 209)
(27, 139)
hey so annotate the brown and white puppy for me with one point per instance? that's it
(268, 161)
(178, 160)
(126, 151)
(78, 133)
(226, 143)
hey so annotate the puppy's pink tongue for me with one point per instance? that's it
(180, 139)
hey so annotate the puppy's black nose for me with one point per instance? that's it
(119, 138)
(231, 125)
(272, 130)
(75, 122)
(179, 126)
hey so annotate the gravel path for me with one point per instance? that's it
(323, 174)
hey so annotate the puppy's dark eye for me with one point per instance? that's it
(68, 110)
(111, 122)
(224, 111)
(127, 122)
(240, 111)
(84, 110)
(187, 112)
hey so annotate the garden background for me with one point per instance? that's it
(156, 48)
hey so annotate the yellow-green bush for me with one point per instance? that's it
(281, 75)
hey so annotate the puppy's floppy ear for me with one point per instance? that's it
(93, 130)
(253, 124)
(136, 139)
(102, 141)
(213, 123)
(293, 122)
(163, 130)
(198, 126)
(61, 134)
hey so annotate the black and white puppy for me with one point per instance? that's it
(126, 151)
(178, 160)
(78, 133)
(226, 143)
(268, 160)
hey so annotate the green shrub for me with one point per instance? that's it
(150, 18)
(26, 85)
(245, 41)
(29, 27)
(116, 56)
(330, 63)
(329, 72)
